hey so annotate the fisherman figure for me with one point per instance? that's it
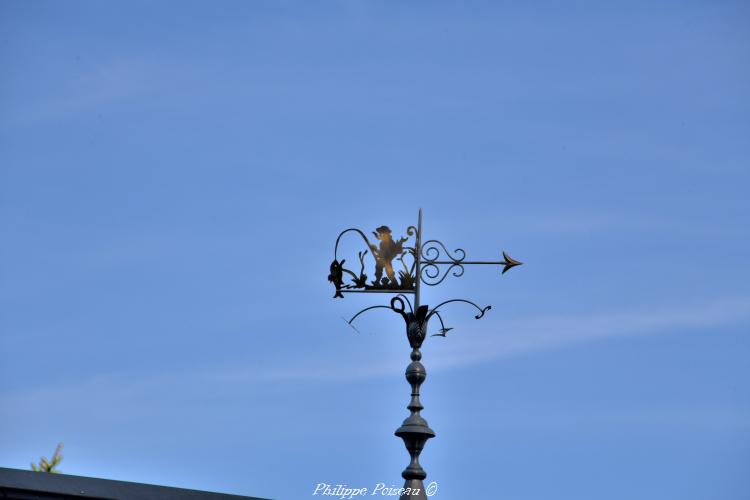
(389, 249)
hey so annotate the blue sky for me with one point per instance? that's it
(173, 178)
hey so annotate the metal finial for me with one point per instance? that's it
(399, 266)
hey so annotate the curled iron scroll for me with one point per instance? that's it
(481, 310)
(432, 257)
(431, 252)
(431, 273)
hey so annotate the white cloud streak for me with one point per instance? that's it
(522, 337)
(518, 338)
(539, 334)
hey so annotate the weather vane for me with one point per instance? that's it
(400, 269)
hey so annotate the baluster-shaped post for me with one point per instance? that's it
(414, 431)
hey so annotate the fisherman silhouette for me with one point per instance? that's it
(384, 255)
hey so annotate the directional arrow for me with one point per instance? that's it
(509, 263)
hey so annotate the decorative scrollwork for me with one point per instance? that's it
(481, 310)
(431, 252)
(431, 274)
(417, 320)
(399, 269)
(432, 258)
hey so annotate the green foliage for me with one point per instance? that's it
(49, 465)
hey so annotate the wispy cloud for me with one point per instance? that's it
(516, 338)
(526, 336)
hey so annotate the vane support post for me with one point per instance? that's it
(392, 264)
(415, 432)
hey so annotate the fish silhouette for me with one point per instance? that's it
(337, 277)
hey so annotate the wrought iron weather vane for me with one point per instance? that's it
(400, 270)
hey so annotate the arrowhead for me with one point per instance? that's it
(509, 263)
